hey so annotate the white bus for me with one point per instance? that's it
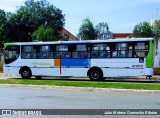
(97, 59)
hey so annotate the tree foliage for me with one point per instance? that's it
(103, 32)
(156, 29)
(43, 34)
(143, 30)
(87, 30)
(2, 17)
(27, 19)
(2, 24)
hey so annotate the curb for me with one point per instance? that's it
(87, 89)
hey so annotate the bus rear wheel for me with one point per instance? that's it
(26, 73)
(95, 74)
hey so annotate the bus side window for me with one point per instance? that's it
(80, 51)
(45, 52)
(83, 54)
(130, 51)
(74, 54)
(94, 54)
(122, 49)
(141, 49)
(62, 51)
(114, 54)
(28, 52)
(100, 50)
(58, 55)
(104, 54)
(121, 54)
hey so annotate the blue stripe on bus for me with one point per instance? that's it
(76, 62)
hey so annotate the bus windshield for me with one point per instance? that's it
(11, 54)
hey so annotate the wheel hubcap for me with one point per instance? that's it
(25, 73)
(95, 74)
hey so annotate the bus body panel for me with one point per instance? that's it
(121, 72)
(106, 63)
(148, 72)
(47, 67)
(79, 72)
(11, 70)
(119, 63)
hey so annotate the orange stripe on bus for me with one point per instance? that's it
(57, 62)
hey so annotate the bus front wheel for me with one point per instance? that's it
(95, 74)
(26, 73)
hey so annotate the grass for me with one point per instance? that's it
(118, 85)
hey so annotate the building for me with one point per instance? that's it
(65, 32)
(122, 35)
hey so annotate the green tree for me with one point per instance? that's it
(3, 20)
(137, 30)
(32, 15)
(156, 32)
(143, 30)
(156, 29)
(2, 17)
(103, 32)
(87, 30)
(43, 34)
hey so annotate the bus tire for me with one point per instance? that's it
(26, 73)
(95, 74)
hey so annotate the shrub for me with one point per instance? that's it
(156, 71)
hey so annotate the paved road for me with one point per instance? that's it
(36, 98)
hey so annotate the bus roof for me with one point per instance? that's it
(82, 41)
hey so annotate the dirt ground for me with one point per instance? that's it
(1, 74)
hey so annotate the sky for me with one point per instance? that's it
(121, 15)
